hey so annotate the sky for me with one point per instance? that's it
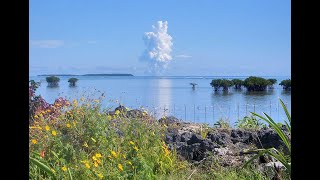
(209, 37)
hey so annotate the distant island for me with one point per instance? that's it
(86, 75)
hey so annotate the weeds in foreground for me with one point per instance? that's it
(278, 155)
(249, 122)
(81, 140)
(222, 124)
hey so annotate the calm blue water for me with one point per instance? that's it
(173, 96)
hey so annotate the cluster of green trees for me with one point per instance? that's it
(286, 84)
(53, 81)
(252, 83)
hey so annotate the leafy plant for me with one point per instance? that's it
(222, 124)
(253, 83)
(221, 83)
(271, 82)
(286, 84)
(52, 81)
(278, 155)
(72, 81)
(237, 83)
(249, 122)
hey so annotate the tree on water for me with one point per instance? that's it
(286, 84)
(52, 81)
(72, 81)
(237, 83)
(254, 83)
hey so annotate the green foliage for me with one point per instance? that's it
(222, 124)
(253, 83)
(250, 122)
(52, 80)
(272, 82)
(221, 83)
(286, 84)
(285, 160)
(72, 81)
(204, 130)
(237, 83)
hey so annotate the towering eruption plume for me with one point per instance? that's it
(158, 48)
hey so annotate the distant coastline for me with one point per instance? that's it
(86, 75)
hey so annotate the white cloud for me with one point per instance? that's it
(183, 56)
(47, 43)
(158, 48)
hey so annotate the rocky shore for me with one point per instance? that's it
(198, 143)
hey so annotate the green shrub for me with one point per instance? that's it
(52, 80)
(221, 83)
(237, 83)
(253, 83)
(286, 84)
(249, 122)
(222, 124)
(277, 154)
(72, 81)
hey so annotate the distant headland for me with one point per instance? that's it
(86, 75)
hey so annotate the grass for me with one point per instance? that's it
(80, 140)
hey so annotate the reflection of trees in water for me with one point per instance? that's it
(221, 93)
(286, 92)
(260, 93)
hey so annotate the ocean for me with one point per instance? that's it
(173, 95)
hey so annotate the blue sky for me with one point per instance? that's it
(210, 37)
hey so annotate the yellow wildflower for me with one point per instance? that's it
(129, 163)
(109, 117)
(34, 141)
(85, 161)
(98, 161)
(124, 156)
(53, 170)
(120, 167)
(35, 116)
(85, 145)
(64, 168)
(95, 164)
(98, 155)
(47, 128)
(68, 125)
(75, 103)
(87, 165)
(48, 110)
(117, 112)
(94, 158)
(131, 142)
(136, 148)
(100, 175)
(110, 157)
(54, 133)
(114, 154)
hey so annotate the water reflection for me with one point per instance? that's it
(164, 93)
(286, 92)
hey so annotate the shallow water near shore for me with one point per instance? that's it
(174, 96)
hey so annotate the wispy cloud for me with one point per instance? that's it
(92, 42)
(47, 43)
(183, 56)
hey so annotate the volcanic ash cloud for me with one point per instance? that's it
(158, 48)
